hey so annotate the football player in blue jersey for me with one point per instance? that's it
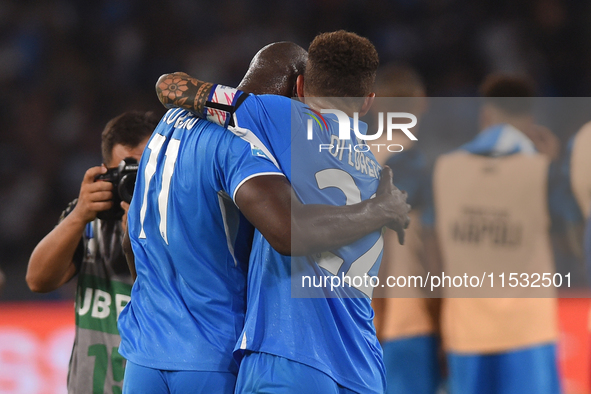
(298, 339)
(191, 244)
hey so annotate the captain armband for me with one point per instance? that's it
(221, 104)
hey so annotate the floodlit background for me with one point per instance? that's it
(67, 67)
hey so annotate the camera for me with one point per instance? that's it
(123, 179)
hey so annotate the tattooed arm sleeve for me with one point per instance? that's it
(213, 102)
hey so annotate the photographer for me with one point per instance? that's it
(87, 243)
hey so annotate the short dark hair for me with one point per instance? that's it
(509, 93)
(128, 129)
(341, 64)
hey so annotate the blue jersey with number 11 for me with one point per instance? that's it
(191, 247)
(287, 315)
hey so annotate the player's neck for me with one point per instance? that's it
(319, 103)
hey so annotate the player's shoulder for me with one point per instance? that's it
(270, 99)
(179, 118)
(271, 102)
(173, 114)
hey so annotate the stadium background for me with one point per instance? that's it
(67, 67)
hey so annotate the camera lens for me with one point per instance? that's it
(126, 186)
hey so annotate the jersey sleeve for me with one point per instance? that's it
(268, 119)
(241, 161)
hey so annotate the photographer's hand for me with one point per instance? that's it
(51, 263)
(94, 196)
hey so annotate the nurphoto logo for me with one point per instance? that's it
(345, 129)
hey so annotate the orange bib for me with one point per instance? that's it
(403, 312)
(492, 217)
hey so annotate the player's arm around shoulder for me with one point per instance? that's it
(199, 97)
(51, 263)
(293, 228)
(266, 202)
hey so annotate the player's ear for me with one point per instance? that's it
(294, 89)
(367, 104)
(300, 86)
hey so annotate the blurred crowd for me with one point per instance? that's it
(68, 66)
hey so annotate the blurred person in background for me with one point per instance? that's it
(407, 322)
(499, 183)
(577, 168)
(83, 244)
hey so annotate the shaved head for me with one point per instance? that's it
(274, 69)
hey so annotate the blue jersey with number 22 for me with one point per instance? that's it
(331, 331)
(191, 247)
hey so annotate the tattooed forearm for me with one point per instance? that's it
(182, 90)
(215, 103)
